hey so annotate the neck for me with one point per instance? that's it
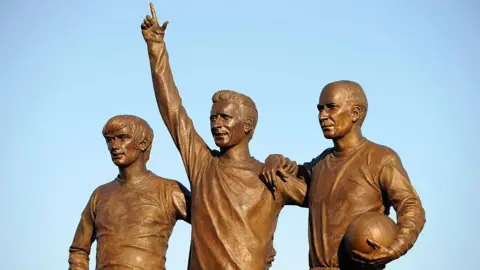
(349, 141)
(134, 171)
(239, 152)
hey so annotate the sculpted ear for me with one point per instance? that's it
(357, 113)
(248, 125)
(143, 145)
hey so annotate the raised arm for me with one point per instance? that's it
(191, 146)
(83, 239)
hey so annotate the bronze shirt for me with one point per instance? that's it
(131, 223)
(369, 178)
(234, 215)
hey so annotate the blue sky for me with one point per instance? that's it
(67, 66)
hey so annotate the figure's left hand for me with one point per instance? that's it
(381, 255)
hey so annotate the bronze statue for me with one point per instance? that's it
(131, 217)
(356, 176)
(234, 214)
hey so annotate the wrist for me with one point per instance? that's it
(396, 247)
(155, 43)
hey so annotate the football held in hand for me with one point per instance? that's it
(373, 226)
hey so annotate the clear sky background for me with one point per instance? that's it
(68, 66)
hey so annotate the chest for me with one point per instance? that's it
(127, 208)
(349, 182)
(236, 188)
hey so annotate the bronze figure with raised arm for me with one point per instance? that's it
(234, 214)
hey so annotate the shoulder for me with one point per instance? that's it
(318, 158)
(168, 185)
(102, 191)
(104, 188)
(381, 154)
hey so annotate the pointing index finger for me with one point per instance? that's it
(152, 10)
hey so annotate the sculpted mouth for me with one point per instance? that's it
(217, 133)
(116, 155)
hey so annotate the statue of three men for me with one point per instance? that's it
(235, 199)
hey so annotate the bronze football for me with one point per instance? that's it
(372, 225)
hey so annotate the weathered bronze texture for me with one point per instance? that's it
(234, 214)
(131, 217)
(355, 176)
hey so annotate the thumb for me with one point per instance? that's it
(164, 26)
(374, 244)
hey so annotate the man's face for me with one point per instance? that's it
(122, 147)
(226, 124)
(334, 113)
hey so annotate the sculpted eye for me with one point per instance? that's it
(124, 137)
(225, 116)
(213, 117)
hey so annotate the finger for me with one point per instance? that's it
(289, 168)
(361, 256)
(147, 22)
(293, 165)
(152, 10)
(359, 261)
(262, 172)
(164, 25)
(144, 26)
(283, 175)
(374, 244)
(269, 175)
(262, 178)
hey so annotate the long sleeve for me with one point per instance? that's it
(191, 146)
(293, 190)
(298, 189)
(83, 239)
(305, 171)
(406, 202)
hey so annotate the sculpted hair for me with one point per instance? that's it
(355, 96)
(248, 109)
(140, 129)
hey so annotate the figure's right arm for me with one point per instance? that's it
(294, 181)
(286, 168)
(83, 239)
(191, 146)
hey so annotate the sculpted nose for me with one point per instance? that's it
(323, 116)
(216, 123)
(115, 144)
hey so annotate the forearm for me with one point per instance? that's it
(78, 259)
(166, 93)
(191, 146)
(295, 191)
(406, 202)
(80, 249)
(410, 222)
